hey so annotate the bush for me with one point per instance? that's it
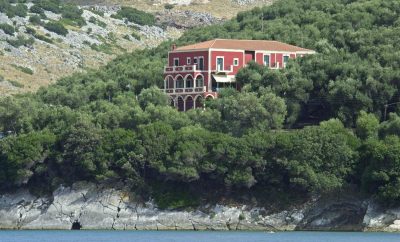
(56, 27)
(43, 38)
(36, 20)
(36, 9)
(135, 16)
(73, 13)
(24, 69)
(8, 29)
(50, 5)
(169, 6)
(21, 41)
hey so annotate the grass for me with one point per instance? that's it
(23, 69)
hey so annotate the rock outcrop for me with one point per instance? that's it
(89, 206)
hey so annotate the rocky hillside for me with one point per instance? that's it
(34, 54)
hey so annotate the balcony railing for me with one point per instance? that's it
(187, 68)
(186, 90)
(226, 69)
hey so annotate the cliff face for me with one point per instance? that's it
(92, 207)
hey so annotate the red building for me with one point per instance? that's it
(196, 72)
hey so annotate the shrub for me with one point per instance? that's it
(36, 20)
(135, 16)
(24, 69)
(56, 27)
(36, 9)
(43, 38)
(8, 29)
(50, 5)
(169, 6)
(73, 13)
(21, 41)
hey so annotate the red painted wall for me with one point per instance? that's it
(249, 56)
(183, 55)
(228, 60)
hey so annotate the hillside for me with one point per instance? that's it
(317, 127)
(26, 66)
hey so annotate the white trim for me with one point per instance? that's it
(198, 62)
(177, 58)
(188, 61)
(235, 61)
(195, 80)
(269, 59)
(283, 60)
(193, 50)
(186, 77)
(216, 63)
(229, 50)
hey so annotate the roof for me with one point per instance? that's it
(234, 44)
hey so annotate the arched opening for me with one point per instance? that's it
(209, 98)
(76, 225)
(172, 102)
(189, 81)
(189, 103)
(179, 83)
(181, 104)
(199, 102)
(169, 82)
(199, 81)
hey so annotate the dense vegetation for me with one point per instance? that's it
(114, 125)
(135, 16)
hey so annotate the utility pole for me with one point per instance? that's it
(262, 21)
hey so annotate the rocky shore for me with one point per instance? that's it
(89, 206)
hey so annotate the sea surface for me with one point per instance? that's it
(177, 236)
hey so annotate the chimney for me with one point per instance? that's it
(173, 47)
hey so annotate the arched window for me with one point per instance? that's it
(189, 82)
(179, 82)
(199, 81)
(189, 103)
(181, 104)
(169, 82)
(198, 102)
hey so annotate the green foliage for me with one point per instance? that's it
(135, 16)
(8, 29)
(115, 124)
(56, 27)
(24, 69)
(36, 20)
(21, 41)
(73, 13)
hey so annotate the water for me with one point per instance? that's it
(177, 236)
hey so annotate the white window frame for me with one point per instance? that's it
(269, 59)
(235, 61)
(176, 59)
(283, 59)
(188, 60)
(198, 62)
(216, 63)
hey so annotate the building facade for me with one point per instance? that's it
(199, 71)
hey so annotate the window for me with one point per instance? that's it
(179, 83)
(195, 60)
(266, 60)
(176, 61)
(236, 62)
(189, 82)
(188, 61)
(285, 60)
(220, 63)
(199, 81)
(201, 63)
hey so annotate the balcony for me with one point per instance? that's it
(226, 69)
(187, 90)
(186, 68)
